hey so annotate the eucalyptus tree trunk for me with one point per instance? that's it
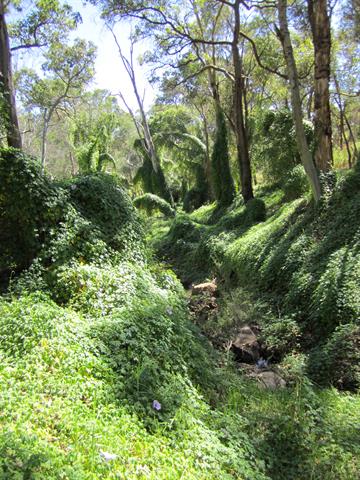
(320, 26)
(158, 178)
(6, 85)
(302, 144)
(44, 140)
(240, 129)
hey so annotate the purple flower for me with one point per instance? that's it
(156, 405)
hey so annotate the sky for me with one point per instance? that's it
(110, 74)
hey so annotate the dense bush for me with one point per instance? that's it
(115, 357)
(62, 378)
(152, 203)
(81, 219)
(296, 184)
(104, 348)
(337, 362)
(100, 200)
(274, 148)
(255, 210)
(304, 260)
(29, 205)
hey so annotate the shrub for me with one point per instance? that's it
(102, 202)
(337, 362)
(193, 199)
(255, 210)
(183, 246)
(151, 203)
(29, 205)
(280, 336)
(295, 183)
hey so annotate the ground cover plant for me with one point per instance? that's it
(179, 261)
(102, 373)
(294, 274)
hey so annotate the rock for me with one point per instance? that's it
(266, 378)
(270, 380)
(207, 287)
(202, 308)
(249, 370)
(245, 345)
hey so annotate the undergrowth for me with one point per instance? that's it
(294, 273)
(103, 375)
(304, 261)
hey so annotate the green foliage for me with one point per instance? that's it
(300, 432)
(94, 130)
(274, 144)
(280, 336)
(308, 260)
(303, 262)
(105, 204)
(151, 203)
(66, 70)
(256, 210)
(47, 22)
(222, 180)
(152, 182)
(85, 219)
(29, 206)
(181, 246)
(296, 184)
(197, 196)
(91, 365)
(337, 362)
(178, 137)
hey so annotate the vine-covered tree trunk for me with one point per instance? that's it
(240, 129)
(223, 183)
(302, 144)
(320, 26)
(7, 99)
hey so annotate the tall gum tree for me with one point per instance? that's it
(173, 26)
(67, 70)
(48, 21)
(146, 145)
(321, 33)
(6, 83)
(305, 154)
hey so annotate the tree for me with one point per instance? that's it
(67, 70)
(178, 138)
(304, 151)
(47, 22)
(96, 125)
(7, 96)
(145, 146)
(321, 33)
(175, 33)
(222, 181)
